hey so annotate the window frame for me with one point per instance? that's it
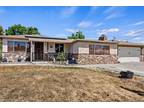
(13, 45)
(99, 49)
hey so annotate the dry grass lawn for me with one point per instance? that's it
(41, 83)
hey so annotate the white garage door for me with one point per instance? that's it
(129, 54)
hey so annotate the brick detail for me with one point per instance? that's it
(97, 59)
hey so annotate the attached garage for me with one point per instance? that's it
(129, 54)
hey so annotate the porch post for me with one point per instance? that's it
(31, 52)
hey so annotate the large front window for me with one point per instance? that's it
(16, 46)
(99, 49)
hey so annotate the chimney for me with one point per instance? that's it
(103, 37)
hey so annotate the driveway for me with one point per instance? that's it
(137, 68)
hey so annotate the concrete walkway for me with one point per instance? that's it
(137, 68)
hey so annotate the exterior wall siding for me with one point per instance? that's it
(4, 47)
(45, 47)
(142, 51)
(81, 53)
(67, 48)
(113, 49)
(0, 50)
(142, 56)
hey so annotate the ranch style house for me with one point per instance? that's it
(41, 48)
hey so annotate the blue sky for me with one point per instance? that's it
(123, 23)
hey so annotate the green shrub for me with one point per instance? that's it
(61, 56)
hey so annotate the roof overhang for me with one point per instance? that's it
(50, 40)
(96, 41)
(21, 37)
(131, 44)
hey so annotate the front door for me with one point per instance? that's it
(59, 48)
(38, 51)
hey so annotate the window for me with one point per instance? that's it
(51, 46)
(91, 49)
(10, 46)
(59, 48)
(28, 47)
(19, 46)
(14, 46)
(99, 49)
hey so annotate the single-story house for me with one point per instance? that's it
(41, 48)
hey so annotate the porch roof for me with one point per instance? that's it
(50, 40)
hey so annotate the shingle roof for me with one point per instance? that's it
(64, 40)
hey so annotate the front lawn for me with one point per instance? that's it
(41, 83)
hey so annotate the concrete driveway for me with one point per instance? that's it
(137, 68)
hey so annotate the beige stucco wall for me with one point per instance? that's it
(4, 46)
(143, 51)
(80, 47)
(67, 48)
(51, 50)
(83, 47)
(45, 47)
(113, 49)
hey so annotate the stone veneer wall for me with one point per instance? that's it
(13, 57)
(97, 59)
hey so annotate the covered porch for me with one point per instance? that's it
(48, 49)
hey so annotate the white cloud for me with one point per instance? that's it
(111, 30)
(114, 15)
(71, 30)
(109, 10)
(139, 23)
(114, 12)
(84, 24)
(68, 11)
(139, 39)
(134, 33)
(99, 24)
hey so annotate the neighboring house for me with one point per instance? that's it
(39, 48)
